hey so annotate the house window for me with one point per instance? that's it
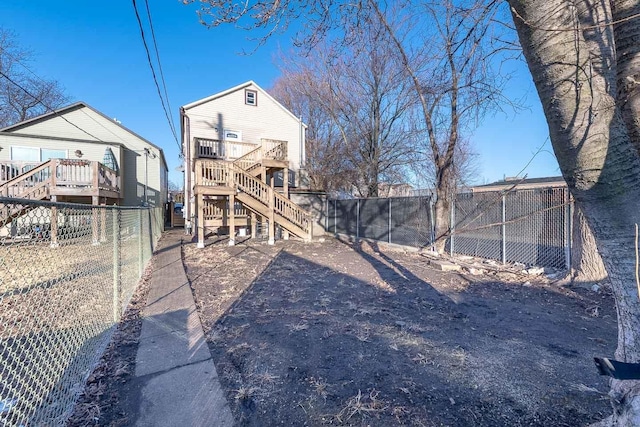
(250, 97)
(46, 154)
(25, 154)
(34, 154)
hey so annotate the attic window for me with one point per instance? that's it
(250, 97)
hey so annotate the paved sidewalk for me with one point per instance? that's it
(175, 379)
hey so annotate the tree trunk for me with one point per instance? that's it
(586, 263)
(627, 40)
(442, 218)
(572, 58)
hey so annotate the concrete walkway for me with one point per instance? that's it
(176, 383)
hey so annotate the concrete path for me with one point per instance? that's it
(176, 383)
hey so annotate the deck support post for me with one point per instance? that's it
(285, 182)
(200, 220)
(54, 223)
(272, 227)
(285, 190)
(254, 225)
(232, 219)
(95, 224)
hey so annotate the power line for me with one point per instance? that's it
(155, 46)
(39, 101)
(153, 73)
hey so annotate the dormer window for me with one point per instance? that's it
(250, 97)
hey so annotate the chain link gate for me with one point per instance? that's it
(67, 273)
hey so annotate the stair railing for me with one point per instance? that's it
(249, 160)
(29, 185)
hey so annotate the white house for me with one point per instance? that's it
(238, 145)
(78, 154)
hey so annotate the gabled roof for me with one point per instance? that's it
(72, 107)
(234, 89)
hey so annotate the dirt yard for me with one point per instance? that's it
(334, 333)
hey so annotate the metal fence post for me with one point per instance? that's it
(504, 229)
(140, 245)
(358, 219)
(335, 216)
(326, 218)
(116, 264)
(453, 224)
(389, 219)
(568, 214)
(433, 224)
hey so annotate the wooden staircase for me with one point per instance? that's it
(239, 180)
(32, 185)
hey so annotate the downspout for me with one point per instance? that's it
(186, 148)
(302, 152)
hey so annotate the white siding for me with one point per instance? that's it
(266, 120)
(89, 125)
(127, 147)
(90, 151)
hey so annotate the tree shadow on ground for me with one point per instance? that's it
(333, 333)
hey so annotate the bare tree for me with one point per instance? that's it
(326, 164)
(174, 186)
(447, 71)
(23, 95)
(451, 80)
(359, 92)
(584, 60)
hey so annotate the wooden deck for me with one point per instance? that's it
(58, 179)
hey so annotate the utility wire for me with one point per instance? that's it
(39, 101)
(18, 61)
(153, 72)
(155, 47)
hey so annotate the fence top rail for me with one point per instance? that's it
(378, 198)
(45, 203)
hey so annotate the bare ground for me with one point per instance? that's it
(336, 333)
(100, 403)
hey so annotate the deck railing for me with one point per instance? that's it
(245, 154)
(32, 184)
(212, 173)
(274, 149)
(222, 149)
(19, 178)
(215, 211)
(250, 159)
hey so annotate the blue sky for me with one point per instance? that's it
(95, 51)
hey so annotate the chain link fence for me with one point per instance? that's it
(531, 227)
(67, 272)
(402, 220)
